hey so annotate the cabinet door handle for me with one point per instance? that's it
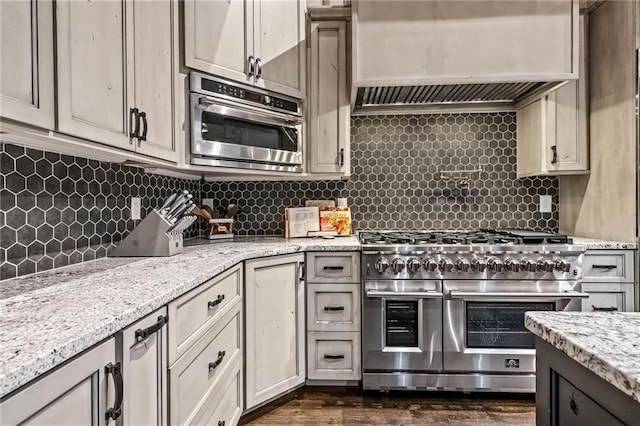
(116, 372)
(213, 303)
(334, 308)
(554, 153)
(333, 356)
(251, 66)
(258, 69)
(573, 406)
(213, 365)
(143, 334)
(222, 423)
(134, 122)
(143, 115)
(604, 266)
(603, 309)
(333, 268)
(341, 156)
(302, 271)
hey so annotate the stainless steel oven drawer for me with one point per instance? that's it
(608, 266)
(333, 267)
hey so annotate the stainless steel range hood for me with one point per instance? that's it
(449, 97)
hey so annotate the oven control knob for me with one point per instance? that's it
(413, 265)
(430, 265)
(494, 265)
(561, 265)
(478, 265)
(528, 265)
(445, 265)
(266, 100)
(512, 265)
(381, 265)
(545, 265)
(397, 265)
(462, 265)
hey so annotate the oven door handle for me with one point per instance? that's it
(232, 109)
(473, 295)
(411, 294)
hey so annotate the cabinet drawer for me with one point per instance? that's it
(333, 267)
(576, 408)
(193, 377)
(608, 266)
(193, 313)
(333, 356)
(333, 307)
(224, 407)
(616, 297)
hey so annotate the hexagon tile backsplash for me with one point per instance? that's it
(395, 182)
(57, 209)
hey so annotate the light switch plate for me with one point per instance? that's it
(208, 202)
(135, 208)
(545, 204)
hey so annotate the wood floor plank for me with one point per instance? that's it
(348, 406)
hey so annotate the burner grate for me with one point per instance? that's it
(482, 236)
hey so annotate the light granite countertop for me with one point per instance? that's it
(606, 343)
(595, 244)
(47, 318)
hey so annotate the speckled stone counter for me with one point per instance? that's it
(48, 318)
(606, 343)
(594, 244)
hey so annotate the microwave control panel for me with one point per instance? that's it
(250, 96)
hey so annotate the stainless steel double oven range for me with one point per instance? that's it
(445, 310)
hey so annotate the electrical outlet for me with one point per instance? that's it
(545, 204)
(135, 208)
(208, 202)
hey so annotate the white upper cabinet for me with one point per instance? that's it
(328, 112)
(279, 45)
(410, 42)
(259, 42)
(115, 73)
(26, 58)
(217, 37)
(94, 71)
(552, 132)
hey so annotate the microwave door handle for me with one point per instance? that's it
(411, 294)
(472, 295)
(242, 111)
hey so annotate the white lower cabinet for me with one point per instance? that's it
(275, 327)
(85, 391)
(142, 351)
(608, 278)
(333, 355)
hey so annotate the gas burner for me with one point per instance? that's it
(482, 236)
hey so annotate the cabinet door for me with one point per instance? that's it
(218, 37)
(78, 393)
(153, 41)
(279, 45)
(26, 55)
(93, 61)
(329, 113)
(274, 331)
(144, 369)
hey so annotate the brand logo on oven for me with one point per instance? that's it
(512, 363)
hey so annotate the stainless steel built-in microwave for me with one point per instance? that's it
(234, 125)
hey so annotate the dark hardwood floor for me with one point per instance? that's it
(348, 406)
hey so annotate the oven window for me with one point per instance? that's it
(501, 324)
(219, 128)
(401, 323)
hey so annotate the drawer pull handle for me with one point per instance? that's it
(334, 308)
(143, 334)
(573, 406)
(609, 267)
(217, 362)
(599, 309)
(115, 370)
(333, 356)
(222, 423)
(333, 268)
(213, 303)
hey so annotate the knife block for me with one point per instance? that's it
(154, 236)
